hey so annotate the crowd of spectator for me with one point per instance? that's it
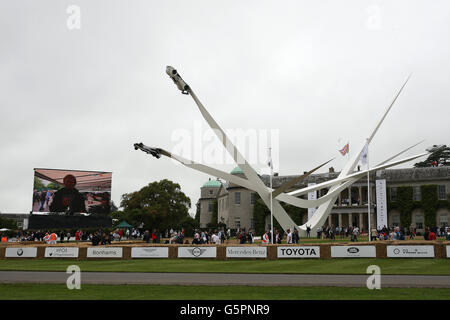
(171, 236)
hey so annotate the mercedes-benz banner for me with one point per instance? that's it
(246, 252)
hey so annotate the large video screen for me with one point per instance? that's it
(72, 191)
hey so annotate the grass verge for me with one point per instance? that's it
(299, 266)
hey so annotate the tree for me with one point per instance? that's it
(159, 205)
(439, 156)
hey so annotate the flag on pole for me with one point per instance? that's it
(363, 157)
(269, 161)
(344, 150)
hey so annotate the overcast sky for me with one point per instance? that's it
(317, 74)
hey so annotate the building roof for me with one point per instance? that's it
(236, 170)
(212, 184)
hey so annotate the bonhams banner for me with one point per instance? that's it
(298, 252)
(246, 252)
(150, 252)
(61, 252)
(381, 204)
(107, 252)
(197, 252)
(24, 252)
(410, 251)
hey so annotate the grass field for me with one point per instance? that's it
(300, 266)
(143, 292)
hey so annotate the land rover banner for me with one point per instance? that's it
(61, 252)
(24, 252)
(197, 252)
(106, 252)
(246, 252)
(150, 252)
(380, 186)
(410, 251)
(353, 252)
(298, 252)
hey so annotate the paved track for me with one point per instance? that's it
(402, 281)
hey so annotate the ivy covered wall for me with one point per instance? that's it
(405, 204)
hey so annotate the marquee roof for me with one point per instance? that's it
(86, 180)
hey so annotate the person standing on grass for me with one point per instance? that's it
(265, 238)
(431, 236)
(289, 236)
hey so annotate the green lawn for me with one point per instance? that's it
(305, 266)
(146, 292)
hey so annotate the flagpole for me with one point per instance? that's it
(271, 191)
(368, 191)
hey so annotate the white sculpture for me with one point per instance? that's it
(253, 182)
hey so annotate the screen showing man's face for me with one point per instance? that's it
(81, 191)
(69, 182)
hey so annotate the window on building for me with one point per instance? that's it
(441, 193)
(210, 192)
(237, 222)
(237, 198)
(396, 220)
(419, 221)
(416, 193)
(210, 205)
(393, 194)
(252, 198)
(443, 220)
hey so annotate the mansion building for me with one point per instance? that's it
(235, 203)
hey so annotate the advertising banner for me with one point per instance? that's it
(197, 252)
(109, 252)
(25, 252)
(61, 252)
(311, 196)
(353, 252)
(380, 186)
(246, 252)
(298, 252)
(150, 252)
(410, 251)
(448, 251)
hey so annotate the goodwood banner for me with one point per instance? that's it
(24, 252)
(298, 252)
(411, 251)
(311, 196)
(380, 186)
(197, 252)
(353, 252)
(246, 252)
(148, 252)
(113, 252)
(61, 252)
